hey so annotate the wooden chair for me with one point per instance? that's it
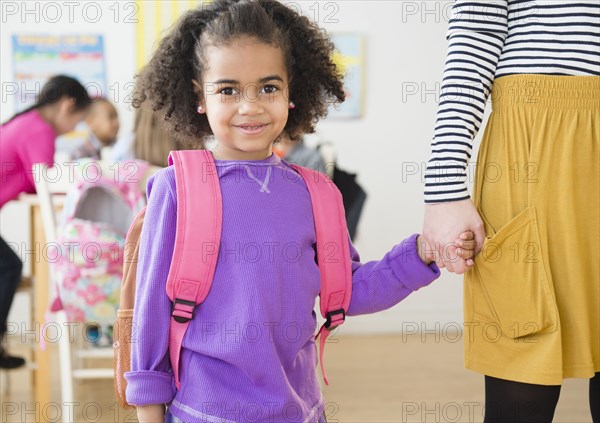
(67, 351)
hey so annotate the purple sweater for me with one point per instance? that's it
(249, 353)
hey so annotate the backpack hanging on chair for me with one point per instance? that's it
(189, 280)
(98, 211)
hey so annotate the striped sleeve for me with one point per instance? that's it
(553, 38)
(476, 36)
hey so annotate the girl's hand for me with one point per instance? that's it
(466, 247)
(154, 413)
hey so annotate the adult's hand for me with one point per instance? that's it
(442, 226)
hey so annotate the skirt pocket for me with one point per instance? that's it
(512, 276)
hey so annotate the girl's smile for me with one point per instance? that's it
(251, 128)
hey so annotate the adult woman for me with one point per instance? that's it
(536, 282)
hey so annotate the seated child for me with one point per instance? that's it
(103, 122)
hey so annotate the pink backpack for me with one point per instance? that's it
(189, 280)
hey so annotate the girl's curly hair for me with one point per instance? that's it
(166, 82)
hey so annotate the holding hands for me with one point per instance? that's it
(453, 235)
(465, 248)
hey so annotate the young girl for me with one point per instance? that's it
(245, 72)
(27, 138)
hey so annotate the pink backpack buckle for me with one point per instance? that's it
(182, 311)
(333, 320)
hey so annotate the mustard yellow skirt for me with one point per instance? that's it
(532, 300)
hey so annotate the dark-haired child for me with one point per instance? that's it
(244, 72)
(103, 122)
(27, 138)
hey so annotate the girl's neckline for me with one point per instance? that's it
(273, 159)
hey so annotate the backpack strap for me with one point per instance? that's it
(195, 252)
(333, 252)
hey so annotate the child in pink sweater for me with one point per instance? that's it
(28, 138)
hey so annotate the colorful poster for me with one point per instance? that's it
(350, 57)
(38, 57)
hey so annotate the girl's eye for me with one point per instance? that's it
(270, 89)
(228, 91)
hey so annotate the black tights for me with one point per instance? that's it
(10, 276)
(595, 398)
(516, 402)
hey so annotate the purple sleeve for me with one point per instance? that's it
(379, 285)
(150, 380)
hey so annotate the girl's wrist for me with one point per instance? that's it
(422, 250)
(154, 413)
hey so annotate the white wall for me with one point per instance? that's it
(405, 50)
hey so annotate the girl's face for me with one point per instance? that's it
(246, 101)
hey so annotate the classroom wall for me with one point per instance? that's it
(388, 147)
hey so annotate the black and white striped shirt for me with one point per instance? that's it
(490, 39)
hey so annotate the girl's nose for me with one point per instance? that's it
(251, 107)
(250, 104)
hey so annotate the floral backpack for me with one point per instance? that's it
(98, 211)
